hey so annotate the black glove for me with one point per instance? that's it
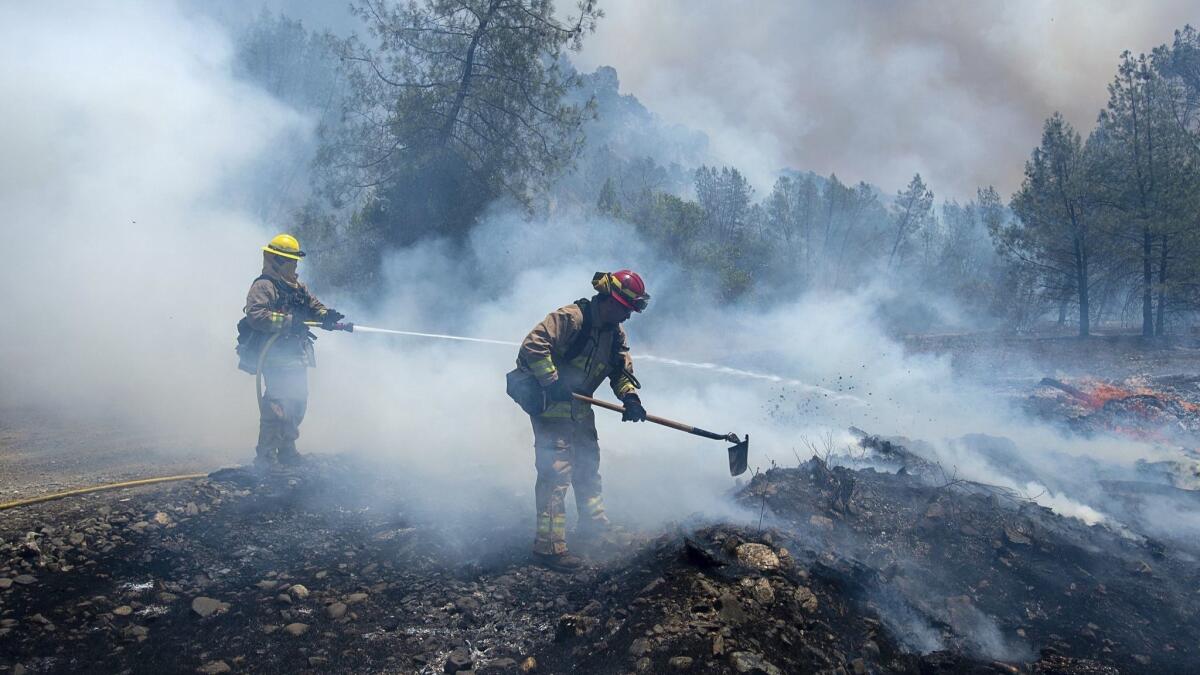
(558, 391)
(634, 412)
(330, 318)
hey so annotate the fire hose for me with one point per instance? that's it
(98, 488)
(350, 328)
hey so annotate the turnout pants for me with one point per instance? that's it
(285, 399)
(566, 454)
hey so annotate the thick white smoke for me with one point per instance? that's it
(126, 264)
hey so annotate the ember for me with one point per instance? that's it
(1132, 409)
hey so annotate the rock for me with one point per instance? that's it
(643, 665)
(206, 607)
(336, 611)
(355, 598)
(1015, 536)
(935, 511)
(529, 665)
(296, 629)
(467, 604)
(731, 609)
(458, 660)
(123, 610)
(749, 662)
(680, 662)
(267, 584)
(718, 645)
(761, 591)
(871, 649)
(25, 579)
(75, 539)
(214, 667)
(821, 522)
(283, 599)
(162, 518)
(5, 582)
(758, 556)
(652, 586)
(574, 625)
(19, 670)
(859, 666)
(299, 590)
(504, 664)
(639, 647)
(191, 509)
(806, 599)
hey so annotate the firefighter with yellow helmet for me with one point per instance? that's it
(573, 350)
(274, 341)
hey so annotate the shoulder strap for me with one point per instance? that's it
(581, 339)
(287, 295)
(585, 332)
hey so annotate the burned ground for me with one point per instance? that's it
(849, 571)
(873, 558)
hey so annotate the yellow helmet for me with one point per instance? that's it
(285, 245)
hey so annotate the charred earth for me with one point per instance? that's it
(838, 570)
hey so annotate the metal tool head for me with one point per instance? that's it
(739, 455)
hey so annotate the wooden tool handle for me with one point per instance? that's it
(680, 426)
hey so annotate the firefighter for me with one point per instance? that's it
(277, 307)
(573, 350)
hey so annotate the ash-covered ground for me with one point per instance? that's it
(872, 557)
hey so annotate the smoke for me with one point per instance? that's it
(877, 91)
(124, 261)
(128, 260)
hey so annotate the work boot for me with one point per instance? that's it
(601, 533)
(562, 562)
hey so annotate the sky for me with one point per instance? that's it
(876, 91)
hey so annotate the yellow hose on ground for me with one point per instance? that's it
(144, 481)
(99, 488)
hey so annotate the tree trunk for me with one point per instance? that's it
(468, 71)
(1160, 320)
(1081, 281)
(1062, 311)
(1147, 283)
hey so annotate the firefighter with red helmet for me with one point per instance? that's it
(573, 350)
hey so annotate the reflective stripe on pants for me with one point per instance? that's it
(566, 454)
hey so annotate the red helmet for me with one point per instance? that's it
(624, 286)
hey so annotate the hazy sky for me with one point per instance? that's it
(877, 90)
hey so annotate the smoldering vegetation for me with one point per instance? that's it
(917, 503)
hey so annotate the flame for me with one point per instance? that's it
(1136, 418)
(1099, 393)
